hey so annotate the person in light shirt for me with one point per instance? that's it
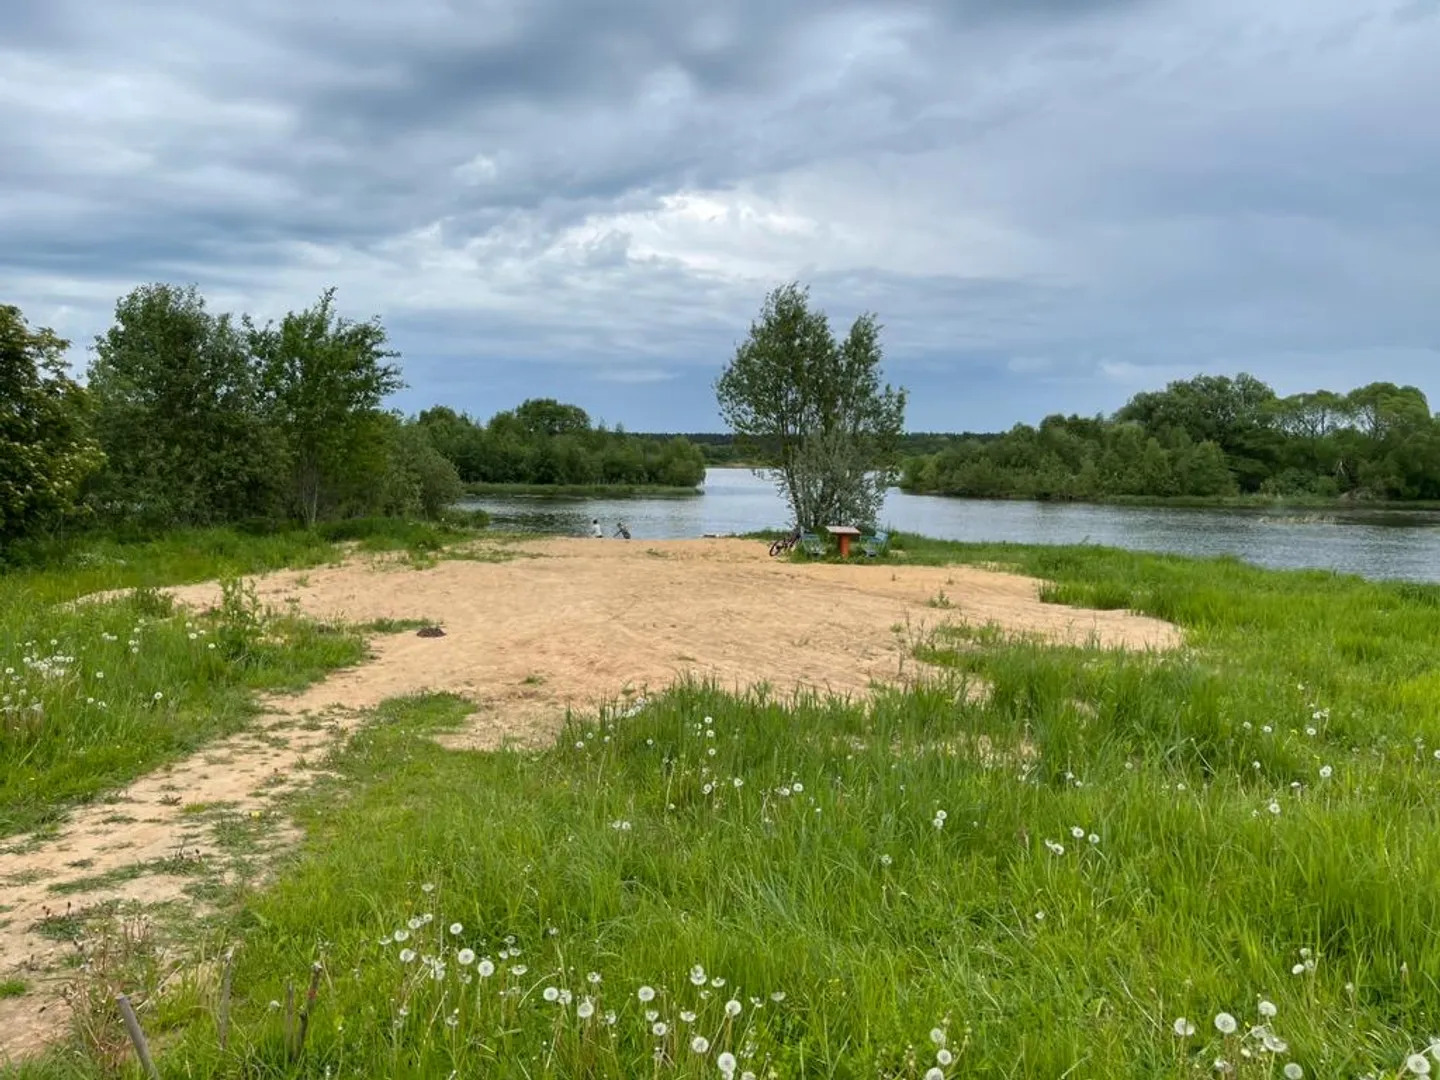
(596, 531)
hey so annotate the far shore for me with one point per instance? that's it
(582, 491)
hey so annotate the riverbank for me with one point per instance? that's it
(1017, 784)
(1216, 502)
(581, 491)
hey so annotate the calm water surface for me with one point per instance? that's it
(1378, 544)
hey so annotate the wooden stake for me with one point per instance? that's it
(223, 1022)
(132, 1025)
(310, 995)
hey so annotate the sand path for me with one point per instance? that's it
(564, 624)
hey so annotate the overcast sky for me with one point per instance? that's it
(1050, 204)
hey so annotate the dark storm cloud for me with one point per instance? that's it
(1048, 202)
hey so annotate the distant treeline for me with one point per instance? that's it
(545, 442)
(722, 449)
(189, 417)
(192, 418)
(1211, 436)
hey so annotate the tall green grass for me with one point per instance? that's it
(1061, 877)
(92, 695)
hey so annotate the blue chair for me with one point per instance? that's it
(874, 546)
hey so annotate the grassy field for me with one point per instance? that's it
(1214, 862)
(95, 694)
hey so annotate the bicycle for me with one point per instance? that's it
(785, 544)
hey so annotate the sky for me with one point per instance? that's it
(1050, 205)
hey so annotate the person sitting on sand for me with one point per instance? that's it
(596, 531)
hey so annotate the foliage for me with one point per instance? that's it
(179, 414)
(1206, 437)
(1050, 874)
(95, 694)
(46, 451)
(421, 479)
(546, 443)
(324, 378)
(814, 410)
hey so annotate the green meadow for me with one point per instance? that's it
(1035, 862)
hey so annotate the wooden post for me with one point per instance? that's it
(132, 1026)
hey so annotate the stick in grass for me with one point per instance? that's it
(224, 1018)
(132, 1025)
(310, 995)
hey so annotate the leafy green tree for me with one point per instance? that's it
(814, 410)
(46, 451)
(324, 378)
(546, 416)
(177, 412)
(420, 479)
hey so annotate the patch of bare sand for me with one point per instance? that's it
(525, 640)
(528, 638)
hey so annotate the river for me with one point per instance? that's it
(1377, 544)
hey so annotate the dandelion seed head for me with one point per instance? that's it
(486, 968)
(1225, 1023)
(944, 1057)
(1267, 1008)
(659, 1029)
(551, 994)
(1418, 1064)
(1184, 1028)
(697, 975)
(732, 1007)
(456, 929)
(585, 1010)
(646, 993)
(1298, 969)
(700, 1044)
(727, 1063)
(935, 1073)
(1077, 832)
(937, 1036)
(407, 956)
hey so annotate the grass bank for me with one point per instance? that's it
(95, 694)
(581, 491)
(1110, 865)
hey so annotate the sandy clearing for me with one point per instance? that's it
(568, 624)
(589, 619)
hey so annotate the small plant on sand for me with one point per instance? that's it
(239, 620)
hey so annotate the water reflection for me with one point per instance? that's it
(1379, 544)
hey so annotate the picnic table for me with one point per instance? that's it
(845, 533)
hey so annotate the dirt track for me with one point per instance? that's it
(567, 623)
